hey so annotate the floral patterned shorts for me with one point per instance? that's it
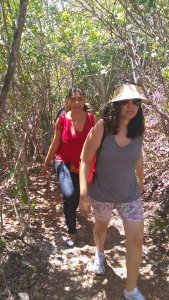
(129, 212)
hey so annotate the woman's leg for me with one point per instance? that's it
(134, 241)
(132, 215)
(99, 231)
(70, 206)
(102, 213)
(69, 185)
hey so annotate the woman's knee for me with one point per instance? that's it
(134, 234)
(138, 240)
(100, 227)
(135, 240)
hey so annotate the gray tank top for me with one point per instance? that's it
(115, 179)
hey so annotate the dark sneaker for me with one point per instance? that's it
(134, 295)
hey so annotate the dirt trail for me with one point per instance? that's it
(39, 265)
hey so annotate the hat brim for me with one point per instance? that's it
(128, 92)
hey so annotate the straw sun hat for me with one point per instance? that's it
(128, 92)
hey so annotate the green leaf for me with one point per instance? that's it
(152, 3)
(2, 244)
(166, 74)
(24, 197)
(11, 174)
(22, 181)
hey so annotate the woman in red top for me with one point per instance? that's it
(70, 132)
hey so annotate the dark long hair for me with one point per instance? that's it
(76, 89)
(111, 117)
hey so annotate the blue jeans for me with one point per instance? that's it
(69, 185)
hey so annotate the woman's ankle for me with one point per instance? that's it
(72, 236)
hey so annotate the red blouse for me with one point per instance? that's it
(72, 140)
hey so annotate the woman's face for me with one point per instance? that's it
(76, 101)
(129, 108)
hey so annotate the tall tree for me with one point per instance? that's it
(13, 55)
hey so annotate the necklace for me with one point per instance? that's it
(75, 122)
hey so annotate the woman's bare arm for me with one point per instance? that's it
(90, 147)
(53, 147)
(139, 172)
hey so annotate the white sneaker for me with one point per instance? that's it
(99, 265)
(134, 295)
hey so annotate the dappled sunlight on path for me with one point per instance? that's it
(41, 266)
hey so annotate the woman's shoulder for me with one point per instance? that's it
(63, 118)
(90, 115)
(100, 122)
(62, 121)
(92, 118)
(99, 126)
(138, 140)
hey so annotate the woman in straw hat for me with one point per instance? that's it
(118, 136)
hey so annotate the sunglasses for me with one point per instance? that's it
(136, 102)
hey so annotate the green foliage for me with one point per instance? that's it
(87, 43)
(2, 245)
(150, 3)
(166, 74)
(33, 205)
(11, 174)
(159, 225)
(20, 189)
(36, 265)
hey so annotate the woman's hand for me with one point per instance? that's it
(85, 207)
(140, 186)
(45, 171)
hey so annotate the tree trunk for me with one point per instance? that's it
(13, 55)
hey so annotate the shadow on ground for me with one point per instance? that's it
(41, 266)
